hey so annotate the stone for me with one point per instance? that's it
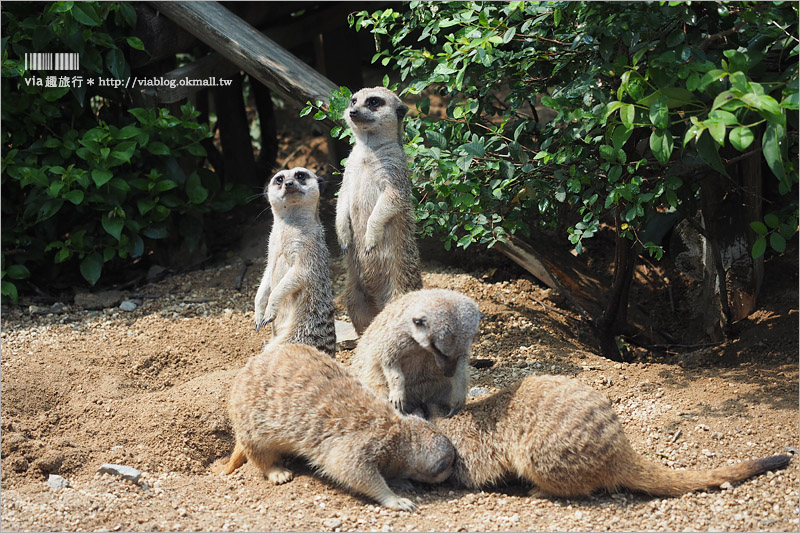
(332, 523)
(58, 308)
(99, 300)
(125, 472)
(128, 305)
(346, 335)
(57, 482)
(475, 392)
(38, 310)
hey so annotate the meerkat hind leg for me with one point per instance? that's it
(267, 461)
(359, 307)
(366, 479)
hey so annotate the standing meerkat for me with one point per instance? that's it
(565, 437)
(292, 399)
(295, 293)
(375, 221)
(415, 352)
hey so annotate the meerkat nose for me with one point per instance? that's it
(353, 112)
(289, 184)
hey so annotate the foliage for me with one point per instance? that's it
(648, 98)
(87, 180)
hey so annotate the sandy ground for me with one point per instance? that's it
(148, 388)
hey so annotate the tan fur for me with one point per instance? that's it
(296, 294)
(375, 221)
(566, 438)
(292, 399)
(415, 352)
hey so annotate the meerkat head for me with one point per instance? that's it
(375, 112)
(430, 455)
(291, 188)
(446, 324)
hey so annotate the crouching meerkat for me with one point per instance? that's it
(565, 437)
(375, 221)
(295, 293)
(293, 399)
(415, 352)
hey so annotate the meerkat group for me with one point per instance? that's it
(399, 412)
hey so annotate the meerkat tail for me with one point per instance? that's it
(659, 480)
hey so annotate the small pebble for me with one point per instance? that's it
(474, 392)
(332, 523)
(57, 482)
(58, 308)
(128, 305)
(125, 472)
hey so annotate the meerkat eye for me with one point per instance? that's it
(279, 180)
(301, 176)
(353, 101)
(374, 102)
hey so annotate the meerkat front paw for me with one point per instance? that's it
(398, 400)
(371, 241)
(400, 504)
(279, 475)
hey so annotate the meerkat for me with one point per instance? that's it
(565, 437)
(292, 399)
(296, 293)
(415, 352)
(375, 222)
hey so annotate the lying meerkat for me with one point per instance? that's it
(565, 437)
(296, 294)
(415, 352)
(292, 399)
(375, 221)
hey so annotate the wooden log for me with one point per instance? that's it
(245, 46)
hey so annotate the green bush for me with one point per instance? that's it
(645, 95)
(87, 181)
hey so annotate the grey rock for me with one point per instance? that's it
(38, 310)
(332, 523)
(128, 305)
(346, 335)
(474, 392)
(99, 300)
(58, 308)
(125, 472)
(57, 482)
(791, 449)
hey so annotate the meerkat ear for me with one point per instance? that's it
(322, 184)
(420, 321)
(401, 111)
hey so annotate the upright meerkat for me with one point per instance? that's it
(375, 221)
(295, 294)
(415, 352)
(566, 438)
(292, 399)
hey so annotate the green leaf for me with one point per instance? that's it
(135, 42)
(116, 64)
(9, 290)
(85, 13)
(306, 110)
(717, 130)
(18, 272)
(662, 144)
(158, 148)
(659, 113)
(155, 231)
(772, 220)
(627, 114)
(739, 81)
(436, 139)
(101, 177)
(74, 196)
(113, 225)
(197, 150)
(609, 153)
(91, 267)
(759, 227)
(124, 151)
(557, 17)
(777, 242)
(741, 138)
(621, 136)
(770, 143)
(759, 247)
(708, 150)
(194, 189)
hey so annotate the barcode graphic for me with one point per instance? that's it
(52, 61)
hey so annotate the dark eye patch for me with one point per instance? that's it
(278, 179)
(353, 101)
(301, 176)
(375, 102)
